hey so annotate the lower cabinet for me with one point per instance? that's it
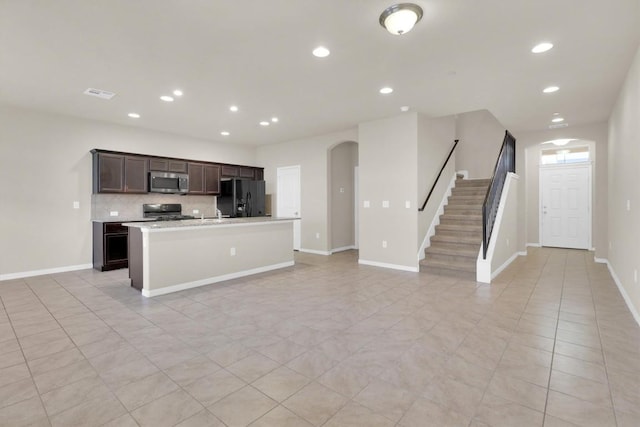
(110, 246)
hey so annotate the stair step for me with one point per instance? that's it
(453, 246)
(456, 239)
(470, 199)
(467, 251)
(450, 259)
(463, 210)
(473, 183)
(450, 219)
(457, 266)
(469, 190)
(467, 228)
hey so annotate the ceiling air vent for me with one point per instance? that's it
(558, 125)
(104, 94)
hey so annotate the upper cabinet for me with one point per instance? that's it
(204, 178)
(168, 165)
(119, 173)
(116, 172)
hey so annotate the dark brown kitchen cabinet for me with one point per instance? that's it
(204, 178)
(259, 174)
(247, 173)
(168, 165)
(118, 173)
(110, 246)
(229, 171)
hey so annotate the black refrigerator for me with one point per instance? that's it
(241, 197)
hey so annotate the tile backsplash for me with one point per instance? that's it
(129, 206)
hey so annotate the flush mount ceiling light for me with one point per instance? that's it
(166, 98)
(400, 18)
(542, 47)
(321, 52)
(551, 89)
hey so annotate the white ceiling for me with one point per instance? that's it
(464, 55)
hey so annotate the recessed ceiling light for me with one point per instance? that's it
(274, 119)
(264, 123)
(321, 52)
(233, 108)
(556, 114)
(404, 108)
(166, 98)
(557, 120)
(134, 115)
(386, 90)
(225, 133)
(551, 89)
(177, 92)
(542, 47)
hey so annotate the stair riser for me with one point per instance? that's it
(455, 239)
(447, 220)
(468, 252)
(451, 259)
(474, 228)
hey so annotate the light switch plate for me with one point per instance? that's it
(385, 203)
(196, 211)
(628, 205)
(232, 251)
(407, 204)
(76, 205)
(366, 204)
(384, 243)
(113, 213)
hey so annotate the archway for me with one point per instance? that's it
(342, 205)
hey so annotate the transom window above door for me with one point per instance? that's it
(556, 156)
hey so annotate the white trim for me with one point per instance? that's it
(21, 274)
(313, 251)
(436, 218)
(621, 289)
(342, 249)
(208, 281)
(386, 265)
(495, 273)
(522, 253)
(534, 245)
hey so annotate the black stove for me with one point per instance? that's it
(164, 212)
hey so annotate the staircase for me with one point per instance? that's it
(455, 245)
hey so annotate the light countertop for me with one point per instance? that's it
(207, 222)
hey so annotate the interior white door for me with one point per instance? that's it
(288, 198)
(566, 206)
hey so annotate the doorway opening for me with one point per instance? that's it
(343, 193)
(565, 197)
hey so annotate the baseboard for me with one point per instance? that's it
(534, 245)
(386, 265)
(522, 253)
(33, 273)
(504, 265)
(342, 249)
(315, 252)
(623, 292)
(210, 280)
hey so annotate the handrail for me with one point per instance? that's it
(506, 163)
(455, 143)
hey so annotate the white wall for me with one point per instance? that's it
(624, 186)
(45, 166)
(527, 166)
(481, 136)
(388, 172)
(343, 160)
(435, 139)
(502, 246)
(312, 155)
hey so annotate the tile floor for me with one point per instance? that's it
(326, 342)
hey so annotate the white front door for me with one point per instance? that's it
(288, 198)
(565, 202)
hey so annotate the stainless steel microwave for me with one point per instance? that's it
(168, 182)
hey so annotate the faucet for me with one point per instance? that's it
(219, 213)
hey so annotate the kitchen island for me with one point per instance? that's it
(171, 256)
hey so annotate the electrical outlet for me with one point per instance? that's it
(628, 205)
(317, 235)
(366, 204)
(384, 243)
(385, 203)
(342, 189)
(407, 204)
(196, 211)
(113, 213)
(232, 251)
(76, 205)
